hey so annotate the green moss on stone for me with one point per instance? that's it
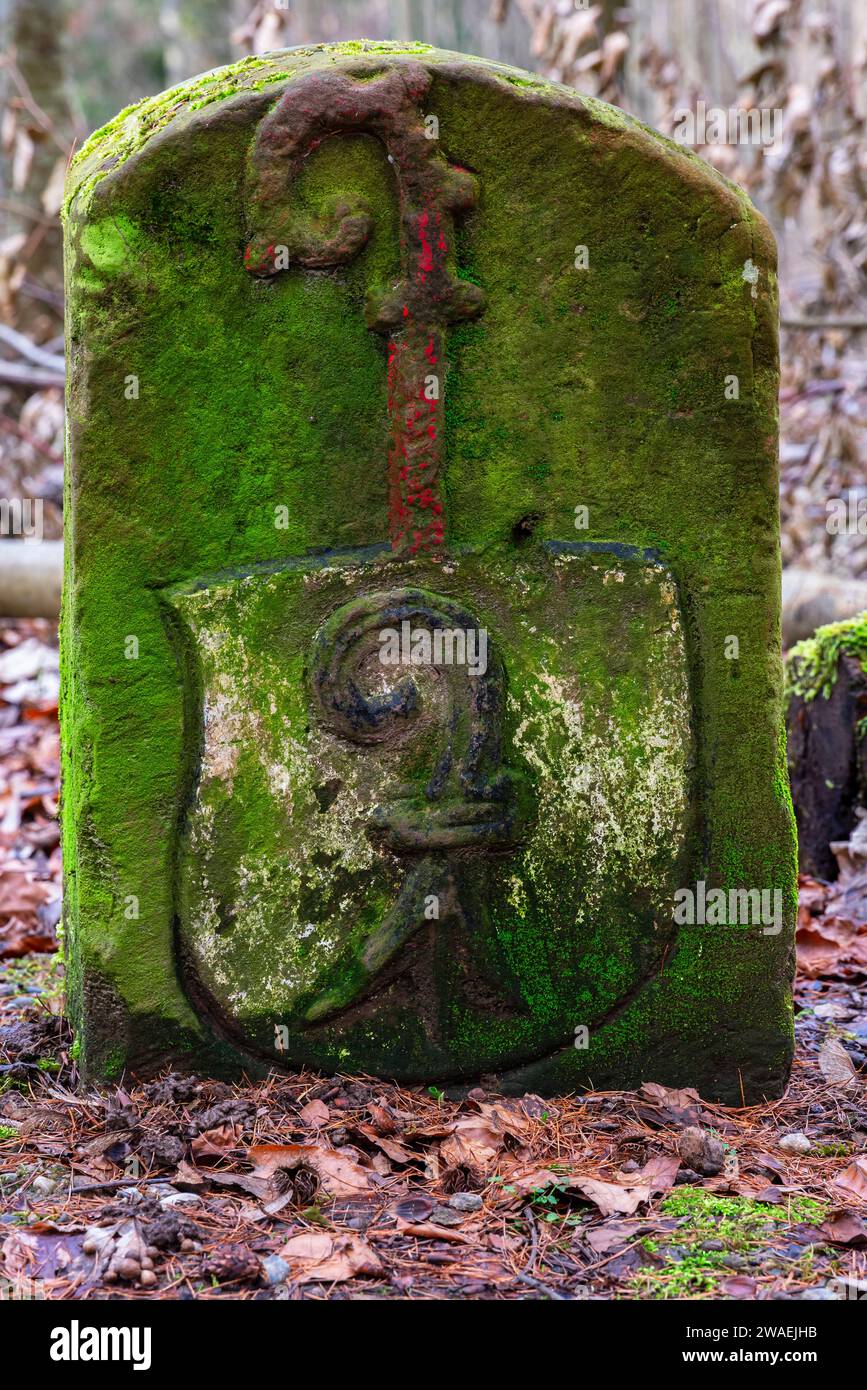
(601, 389)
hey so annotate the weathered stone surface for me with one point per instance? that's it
(310, 850)
(266, 269)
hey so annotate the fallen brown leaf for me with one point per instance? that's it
(395, 1150)
(613, 1235)
(853, 1178)
(842, 1227)
(187, 1177)
(474, 1144)
(315, 1114)
(836, 1065)
(213, 1143)
(19, 937)
(611, 1198)
(338, 1176)
(673, 1106)
(658, 1173)
(42, 1252)
(20, 891)
(825, 944)
(381, 1119)
(626, 1195)
(317, 1256)
(739, 1286)
(527, 1180)
(683, 1099)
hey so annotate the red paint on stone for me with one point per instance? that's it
(429, 296)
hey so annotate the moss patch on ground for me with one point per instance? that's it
(718, 1237)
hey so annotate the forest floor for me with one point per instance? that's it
(346, 1187)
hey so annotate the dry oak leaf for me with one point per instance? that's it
(43, 1251)
(21, 892)
(610, 1197)
(390, 1147)
(187, 1178)
(525, 1180)
(836, 1065)
(853, 1178)
(658, 1173)
(22, 938)
(842, 1227)
(673, 1106)
(279, 1168)
(812, 896)
(339, 1176)
(381, 1119)
(315, 1114)
(615, 1235)
(505, 1243)
(534, 1107)
(681, 1099)
(824, 945)
(627, 1194)
(508, 1115)
(328, 1259)
(474, 1144)
(477, 1139)
(819, 950)
(213, 1143)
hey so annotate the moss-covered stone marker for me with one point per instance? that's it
(422, 709)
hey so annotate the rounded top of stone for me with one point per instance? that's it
(250, 86)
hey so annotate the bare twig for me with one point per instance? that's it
(847, 324)
(22, 344)
(46, 296)
(23, 375)
(39, 116)
(7, 423)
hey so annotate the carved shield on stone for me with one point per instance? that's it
(422, 865)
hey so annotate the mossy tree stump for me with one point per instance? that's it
(826, 687)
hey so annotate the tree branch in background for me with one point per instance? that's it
(584, 47)
(37, 135)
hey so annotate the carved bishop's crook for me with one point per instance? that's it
(429, 296)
